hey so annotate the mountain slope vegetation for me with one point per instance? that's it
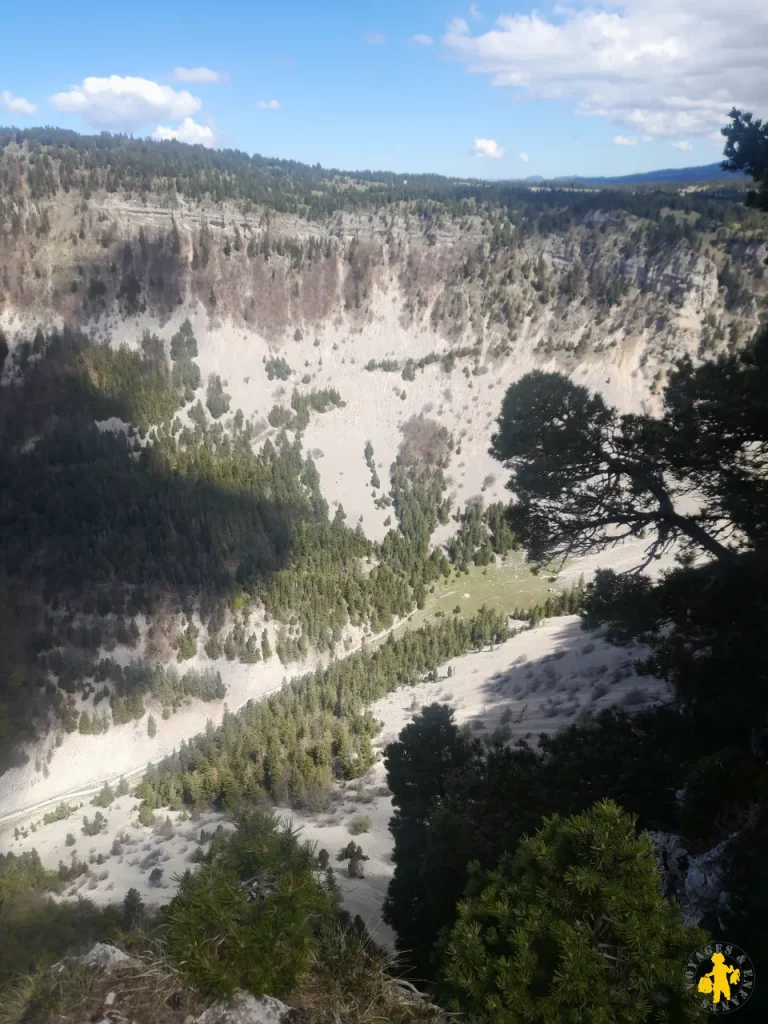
(149, 520)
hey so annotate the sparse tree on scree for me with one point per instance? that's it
(132, 909)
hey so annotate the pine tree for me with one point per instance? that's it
(571, 926)
(418, 767)
(222, 938)
(266, 650)
(132, 909)
(146, 815)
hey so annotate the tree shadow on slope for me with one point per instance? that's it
(85, 510)
(96, 524)
(580, 675)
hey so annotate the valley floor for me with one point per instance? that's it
(82, 764)
(537, 681)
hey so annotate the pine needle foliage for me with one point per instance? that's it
(571, 928)
(249, 916)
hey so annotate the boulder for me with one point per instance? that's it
(245, 1008)
(101, 957)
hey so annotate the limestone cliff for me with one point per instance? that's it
(607, 289)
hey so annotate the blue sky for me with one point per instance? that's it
(491, 90)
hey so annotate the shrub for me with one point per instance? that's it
(60, 813)
(150, 860)
(276, 366)
(217, 400)
(105, 797)
(132, 909)
(571, 925)
(146, 815)
(224, 934)
(360, 825)
(351, 852)
(93, 828)
(355, 867)
(37, 932)
(165, 831)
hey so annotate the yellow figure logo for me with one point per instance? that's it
(719, 979)
(721, 975)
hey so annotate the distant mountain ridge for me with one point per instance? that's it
(683, 175)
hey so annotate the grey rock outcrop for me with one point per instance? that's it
(695, 880)
(245, 1008)
(242, 1008)
(101, 957)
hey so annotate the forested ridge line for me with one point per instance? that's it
(53, 159)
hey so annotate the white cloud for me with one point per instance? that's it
(458, 27)
(648, 138)
(686, 147)
(664, 69)
(475, 12)
(16, 104)
(127, 103)
(523, 158)
(420, 40)
(374, 38)
(487, 147)
(624, 140)
(197, 75)
(269, 104)
(188, 131)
